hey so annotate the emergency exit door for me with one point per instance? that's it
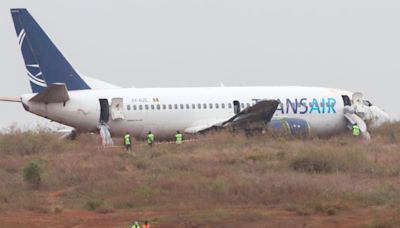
(117, 106)
(104, 110)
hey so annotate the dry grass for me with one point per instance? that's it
(307, 176)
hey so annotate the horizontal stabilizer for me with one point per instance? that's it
(10, 99)
(53, 93)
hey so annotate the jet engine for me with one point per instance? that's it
(289, 126)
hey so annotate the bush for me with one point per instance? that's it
(29, 142)
(325, 161)
(93, 205)
(32, 172)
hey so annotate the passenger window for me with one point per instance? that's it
(152, 107)
(222, 105)
(170, 106)
(175, 106)
(199, 106)
(248, 104)
(158, 107)
(229, 105)
(128, 107)
(164, 106)
(193, 106)
(187, 106)
(242, 105)
(217, 106)
(236, 107)
(140, 107)
(205, 106)
(146, 107)
(182, 107)
(211, 106)
(134, 107)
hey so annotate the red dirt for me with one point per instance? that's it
(261, 217)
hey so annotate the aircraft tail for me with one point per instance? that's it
(44, 63)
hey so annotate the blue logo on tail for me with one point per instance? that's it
(43, 61)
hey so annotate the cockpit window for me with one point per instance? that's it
(346, 100)
(367, 103)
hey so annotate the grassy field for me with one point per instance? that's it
(219, 180)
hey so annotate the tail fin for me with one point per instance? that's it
(44, 62)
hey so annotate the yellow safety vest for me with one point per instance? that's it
(356, 130)
(127, 139)
(179, 138)
(150, 138)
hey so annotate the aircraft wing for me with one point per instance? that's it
(260, 113)
(204, 125)
(53, 93)
(255, 116)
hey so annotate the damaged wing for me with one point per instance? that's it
(254, 117)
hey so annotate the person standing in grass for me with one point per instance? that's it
(356, 130)
(178, 137)
(127, 142)
(135, 225)
(146, 224)
(150, 138)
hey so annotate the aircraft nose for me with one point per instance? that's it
(386, 117)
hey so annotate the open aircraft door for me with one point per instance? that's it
(104, 110)
(117, 106)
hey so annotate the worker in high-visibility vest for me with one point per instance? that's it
(150, 138)
(127, 141)
(135, 225)
(356, 130)
(146, 224)
(178, 137)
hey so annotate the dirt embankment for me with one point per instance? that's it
(221, 180)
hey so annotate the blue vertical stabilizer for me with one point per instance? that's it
(44, 62)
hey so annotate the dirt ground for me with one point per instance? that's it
(223, 217)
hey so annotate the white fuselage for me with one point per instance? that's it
(166, 110)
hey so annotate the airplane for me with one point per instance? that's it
(62, 94)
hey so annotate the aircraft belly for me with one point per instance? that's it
(163, 124)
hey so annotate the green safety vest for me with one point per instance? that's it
(356, 130)
(150, 138)
(127, 139)
(135, 226)
(179, 138)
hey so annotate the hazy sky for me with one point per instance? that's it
(354, 45)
